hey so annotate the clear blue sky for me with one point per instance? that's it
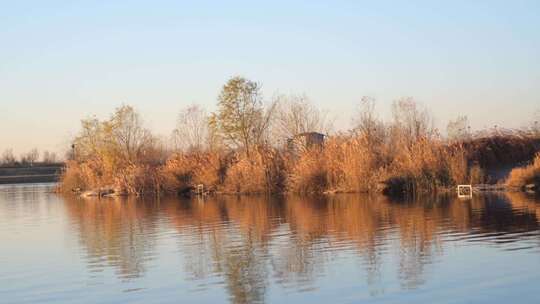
(65, 60)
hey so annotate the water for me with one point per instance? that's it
(338, 249)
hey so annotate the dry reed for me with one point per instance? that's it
(524, 176)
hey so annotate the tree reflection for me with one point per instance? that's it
(299, 236)
(250, 242)
(115, 232)
(230, 236)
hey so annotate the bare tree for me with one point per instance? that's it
(8, 158)
(192, 131)
(459, 129)
(49, 157)
(367, 123)
(410, 120)
(296, 114)
(535, 124)
(30, 158)
(129, 133)
(33, 156)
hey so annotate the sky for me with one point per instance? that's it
(61, 61)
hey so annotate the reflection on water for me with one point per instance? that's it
(344, 248)
(115, 234)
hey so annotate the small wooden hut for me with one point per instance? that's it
(303, 141)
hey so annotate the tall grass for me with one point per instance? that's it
(184, 171)
(221, 171)
(524, 176)
(345, 163)
(263, 171)
(307, 173)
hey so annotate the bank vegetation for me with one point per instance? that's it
(245, 146)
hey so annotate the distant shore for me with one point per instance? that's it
(31, 174)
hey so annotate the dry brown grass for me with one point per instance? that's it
(131, 179)
(138, 179)
(262, 172)
(71, 178)
(307, 173)
(523, 176)
(493, 150)
(353, 165)
(85, 175)
(425, 165)
(404, 156)
(224, 172)
(186, 170)
(345, 163)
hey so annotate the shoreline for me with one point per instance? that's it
(476, 190)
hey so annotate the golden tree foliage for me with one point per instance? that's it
(241, 119)
(116, 153)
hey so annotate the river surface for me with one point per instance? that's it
(336, 249)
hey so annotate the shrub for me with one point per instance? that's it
(72, 178)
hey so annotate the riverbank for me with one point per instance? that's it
(341, 165)
(404, 156)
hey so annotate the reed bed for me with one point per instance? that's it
(404, 156)
(342, 164)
